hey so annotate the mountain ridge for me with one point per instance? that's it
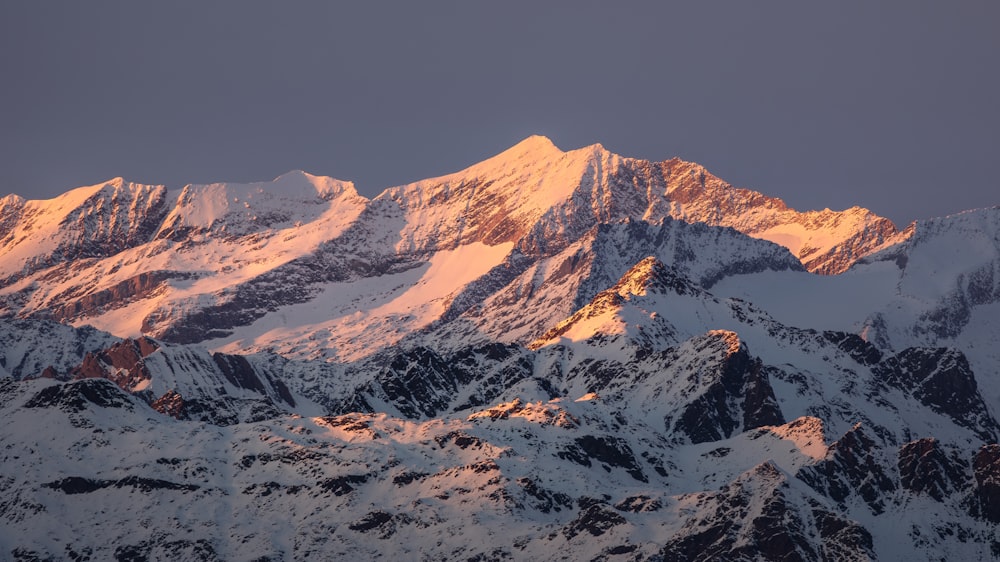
(217, 247)
(548, 354)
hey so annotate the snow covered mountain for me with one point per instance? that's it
(229, 262)
(547, 355)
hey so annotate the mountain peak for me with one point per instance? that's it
(606, 313)
(534, 143)
(292, 175)
(652, 276)
(326, 187)
(536, 148)
(643, 276)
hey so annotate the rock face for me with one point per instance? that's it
(826, 242)
(30, 347)
(942, 380)
(184, 384)
(121, 363)
(772, 526)
(986, 468)
(735, 395)
(548, 355)
(852, 467)
(925, 468)
(89, 222)
(79, 396)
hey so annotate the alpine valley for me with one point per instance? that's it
(546, 356)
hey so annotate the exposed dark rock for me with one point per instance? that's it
(779, 533)
(851, 466)
(494, 368)
(8, 390)
(941, 379)
(21, 554)
(599, 374)
(842, 539)
(78, 396)
(460, 439)
(117, 296)
(421, 382)
(79, 485)
(379, 523)
(404, 478)
(621, 549)
(342, 485)
(149, 484)
(986, 469)
(372, 520)
(639, 504)
(595, 519)
(856, 347)
(241, 374)
(739, 396)
(170, 404)
(727, 529)
(544, 500)
(926, 467)
(760, 407)
(220, 411)
(207, 410)
(713, 415)
(164, 549)
(610, 451)
(238, 372)
(122, 363)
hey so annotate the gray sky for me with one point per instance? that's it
(894, 106)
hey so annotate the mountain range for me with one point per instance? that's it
(547, 355)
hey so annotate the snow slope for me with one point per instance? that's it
(231, 263)
(548, 355)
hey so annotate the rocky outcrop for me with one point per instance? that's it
(594, 519)
(31, 347)
(420, 382)
(854, 345)
(221, 411)
(941, 379)
(241, 374)
(608, 451)
(986, 470)
(852, 467)
(224, 390)
(81, 395)
(926, 467)
(736, 394)
(85, 223)
(755, 518)
(827, 242)
(119, 295)
(121, 363)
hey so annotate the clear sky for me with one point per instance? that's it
(894, 106)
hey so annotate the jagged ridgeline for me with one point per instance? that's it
(548, 355)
